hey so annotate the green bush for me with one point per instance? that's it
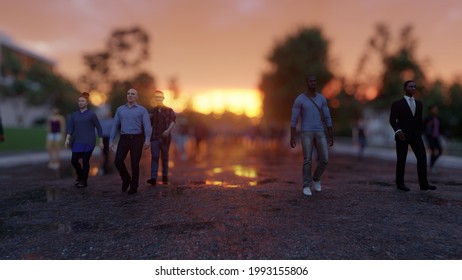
(23, 139)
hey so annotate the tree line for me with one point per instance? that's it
(121, 64)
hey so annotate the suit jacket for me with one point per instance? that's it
(401, 118)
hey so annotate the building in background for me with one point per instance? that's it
(15, 61)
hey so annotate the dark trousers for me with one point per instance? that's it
(81, 170)
(435, 148)
(134, 145)
(159, 149)
(418, 148)
(106, 154)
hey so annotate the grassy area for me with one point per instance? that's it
(23, 139)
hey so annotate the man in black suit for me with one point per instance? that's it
(406, 120)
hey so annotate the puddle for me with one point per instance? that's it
(37, 195)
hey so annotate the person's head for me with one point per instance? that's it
(159, 97)
(132, 96)
(433, 110)
(84, 99)
(409, 87)
(311, 81)
(55, 111)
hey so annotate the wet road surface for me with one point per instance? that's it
(232, 201)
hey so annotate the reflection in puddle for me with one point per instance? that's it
(53, 194)
(248, 172)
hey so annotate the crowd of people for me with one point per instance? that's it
(138, 128)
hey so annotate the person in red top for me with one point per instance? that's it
(163, 120)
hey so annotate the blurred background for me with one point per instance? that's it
(229, 69)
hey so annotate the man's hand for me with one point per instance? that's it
(293, 143)
(147, 145)
(400, 135)
(112, 148)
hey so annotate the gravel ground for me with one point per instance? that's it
(235, 204)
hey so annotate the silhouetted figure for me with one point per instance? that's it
(360, 137)
(162, 120)
(433, 135)
(81, 127)
(406, 120)
(106, 124)
(2, 137)
(181, 136)
(55, 132)
(133, 122)
(316, 127)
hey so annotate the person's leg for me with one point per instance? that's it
(122, 150)
(78, 168)
(106, 155)
(85, 167)
(418, 148)
(436, 151)
(401, 155)
(165, 145)
(155, 154)
(323, 155)
(307, 149)
(136, 150)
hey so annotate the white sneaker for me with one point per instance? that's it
(307, 191)
(317, 185)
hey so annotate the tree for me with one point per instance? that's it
(122, 59)
(36, 85)
(47, 86)
(302, 53)
(397, 65)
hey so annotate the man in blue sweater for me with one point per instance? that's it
(316, 131)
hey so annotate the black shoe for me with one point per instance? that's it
(81, 184)
(165, 180)
(77, 181)
(152, 181)
(403, 188)
(132, 191)
(428, 187)
(126, 184)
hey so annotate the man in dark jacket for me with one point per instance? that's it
(406, 120)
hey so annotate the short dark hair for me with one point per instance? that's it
(407, 82)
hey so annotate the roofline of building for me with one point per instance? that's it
(8, 43)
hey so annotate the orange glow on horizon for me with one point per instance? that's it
(238, 101)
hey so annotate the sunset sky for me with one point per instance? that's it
(211, 44)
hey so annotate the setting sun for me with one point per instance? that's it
(238, 101)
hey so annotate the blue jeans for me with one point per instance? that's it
(159, 149)
(322, 147)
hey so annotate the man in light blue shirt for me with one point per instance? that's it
(133, 122)
(316, 131)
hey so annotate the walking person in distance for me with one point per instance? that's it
(316, 132)
(406, 121)
(132, 121)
